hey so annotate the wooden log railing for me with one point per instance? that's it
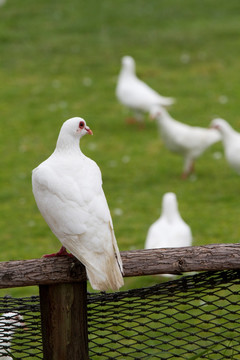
(62, 287)
(63, 269)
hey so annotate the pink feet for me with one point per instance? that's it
(61, 252)
(184, 175)
(131, 120)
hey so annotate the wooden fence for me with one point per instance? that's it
(63, 287)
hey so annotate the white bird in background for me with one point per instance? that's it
(231, 142)
(170, 230)
(68, 192)
(188, 141)
(9, 323)
(134, 93)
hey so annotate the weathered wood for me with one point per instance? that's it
(54, 270)
(136, 263)
(64, 321)
(179, 260)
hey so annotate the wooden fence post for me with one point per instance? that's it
(64, 321)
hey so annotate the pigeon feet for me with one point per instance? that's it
(131, 120)
(184, 175)
(61, 252)
(134, 121)
(189, 171)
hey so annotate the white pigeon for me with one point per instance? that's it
(134, 93)
(68, 192)
(231, 142)
(170, 230)
(9, 322)
(188, 141)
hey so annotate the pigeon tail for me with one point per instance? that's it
(103, 274)
(111, 278)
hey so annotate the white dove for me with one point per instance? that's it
(231, 142)
(68, 191)
(9, 322)
(134, 93)
(188, 141)
(170, 230)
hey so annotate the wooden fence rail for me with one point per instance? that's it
(65, 269)
(63, 287)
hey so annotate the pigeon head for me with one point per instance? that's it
(170, 205)
(76, 127)
(71, 132)
(128, 64)
(157, 112)
(219, 124)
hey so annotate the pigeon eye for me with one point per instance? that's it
(81, 124)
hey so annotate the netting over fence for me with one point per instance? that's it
(20, 338)
(194, 315)
(168, 321)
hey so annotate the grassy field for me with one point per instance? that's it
(59, 60)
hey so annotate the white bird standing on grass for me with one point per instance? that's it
(9, 323)
(134, 93)
(170, 230)
(188, 141)
(68, 192)
(231, 142)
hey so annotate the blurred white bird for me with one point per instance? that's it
(170, 230)
(9, 322)
(134, 93)
(188, 141)
(68, 191)
(231, 142)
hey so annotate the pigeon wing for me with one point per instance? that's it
(79, 216)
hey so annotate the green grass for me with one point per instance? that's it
(60, 60)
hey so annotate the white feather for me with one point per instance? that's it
(9, 322)
(231, 142)
(134, 93)
(170, 230)
(186, 140)
(68, 191)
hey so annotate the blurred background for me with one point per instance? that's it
(60, 59)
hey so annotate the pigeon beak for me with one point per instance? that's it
(89, 131)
